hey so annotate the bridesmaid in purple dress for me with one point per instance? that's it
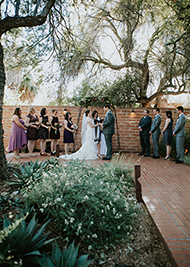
(18, 138)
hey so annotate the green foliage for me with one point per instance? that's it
(187, 140)
(67, 258)
(173, 152)
(8, 202)
(187, 160)
(182, 9)
(8, 261)
(31, 172)
(94, 205)
(21, 241)
(122, 92)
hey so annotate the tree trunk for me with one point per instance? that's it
(78, 119)
(158, 101)
(3, 162)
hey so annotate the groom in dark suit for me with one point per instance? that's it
(144, 129)
(108, 130)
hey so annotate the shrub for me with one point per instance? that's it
(94, 205)
(187, 160)
(173, 152)
(67, 258)
(18, 241)
(31, 172)
(8, 202)
(187, 140)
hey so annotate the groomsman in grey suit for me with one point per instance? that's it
(155, 131)
(108, 131)
(179, 132)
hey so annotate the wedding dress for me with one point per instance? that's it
(88, 149)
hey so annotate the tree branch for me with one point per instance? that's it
(1, 2)
(36, 8)
(114, 30)
(165, 93)
(17, 7)
(9, 23)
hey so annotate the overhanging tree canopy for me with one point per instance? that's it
(119, 24)
(15, 14)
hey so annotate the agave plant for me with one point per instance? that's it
(22, 176)
(67, 258)
(32, 171)
(20, 239)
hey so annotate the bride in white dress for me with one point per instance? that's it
(88, 149)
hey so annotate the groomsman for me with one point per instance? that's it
(179, 132)
(108, 131)
(144, 129)
(155, 131)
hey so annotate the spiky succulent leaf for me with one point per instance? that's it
(40, 232)
(83, 262)
(32, 225)
(45, 262)
(6, 221)
(20, 239)
(69, 256)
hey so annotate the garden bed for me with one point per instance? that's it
(124, 238)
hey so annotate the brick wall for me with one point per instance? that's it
(127, 122)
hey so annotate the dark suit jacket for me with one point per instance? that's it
(145, 124)
(108, 125)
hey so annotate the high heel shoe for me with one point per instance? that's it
(43, 154)
(17, 157)
(167, 158)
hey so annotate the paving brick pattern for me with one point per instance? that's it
(166, 194)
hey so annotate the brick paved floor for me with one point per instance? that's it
(166, 194)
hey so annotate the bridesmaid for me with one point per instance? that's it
(168, 135)
(32, 122)
(54, 131)
(68, 132)
(43, 131)
(18, 137)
